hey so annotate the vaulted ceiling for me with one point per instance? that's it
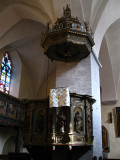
(23, 21)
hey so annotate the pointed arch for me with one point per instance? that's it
(5, 76)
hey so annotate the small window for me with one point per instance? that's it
(5, 76)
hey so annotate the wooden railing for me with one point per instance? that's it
(12, 110)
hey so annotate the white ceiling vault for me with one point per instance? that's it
(22, 21)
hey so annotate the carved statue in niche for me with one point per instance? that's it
(11, 111)
(61, 121)
(78, 121)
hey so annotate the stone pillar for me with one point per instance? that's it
(75, 75)
(18, 140)
(83, 78)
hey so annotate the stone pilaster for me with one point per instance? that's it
(95, 92)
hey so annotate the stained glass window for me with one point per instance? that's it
(5, 75)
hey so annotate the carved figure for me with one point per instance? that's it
(78, 122)
(61, 121)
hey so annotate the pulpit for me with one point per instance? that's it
(58, 126)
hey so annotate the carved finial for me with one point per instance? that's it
(67, 6)
(86, 26)
(48, 25)
(67, 11)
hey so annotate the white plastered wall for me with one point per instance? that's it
(113, 141)
(106, 75)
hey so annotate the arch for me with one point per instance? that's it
(15, 12)
(110, 61)
(110, 14)
(96, 12)
(16, 72)
(109, 95)
(22, 31)
(9, 145)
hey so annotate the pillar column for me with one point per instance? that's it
(18, 140)
(83, 78)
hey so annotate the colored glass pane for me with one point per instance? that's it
(7, 79)
(2, 82)
(6, 87)
(9, 73)
(3, 70)
(2, 65)
(3, 76)
(6, 68)
(6, 92)
(3, 60)
(2, 88)
(8, 63)
(6, 55)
